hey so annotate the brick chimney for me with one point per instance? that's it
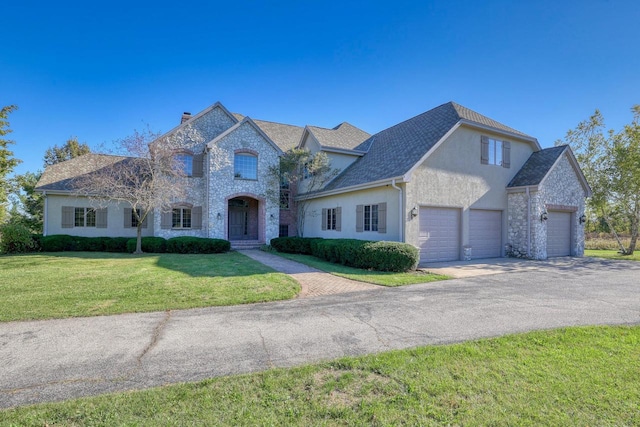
(185, 116)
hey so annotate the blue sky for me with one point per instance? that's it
(100, 71)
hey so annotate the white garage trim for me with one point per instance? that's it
(485, 233)
(439, 235)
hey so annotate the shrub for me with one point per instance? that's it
(57, 243)
(293, 245)
(156, 245)
(197, 245)
(15, 239)
(390, 256)
(382, 256)
(115, 244)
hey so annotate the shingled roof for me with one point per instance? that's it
(285, 136)
(394, 151)
(345, 136)
(60, 177)
(537, 166)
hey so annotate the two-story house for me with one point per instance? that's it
(450, 181)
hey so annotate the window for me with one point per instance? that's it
(331, 219)
(494, 152)
(371, 218)
(181, 218)
(284, 199)
(245, 166)
(185, 163)
(284, 230)
(134, 220)
(84, 217)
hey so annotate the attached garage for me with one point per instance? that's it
(485, 233)
(439, 234)
(558, 233)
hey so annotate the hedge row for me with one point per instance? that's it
(181, 245)
(381, 256)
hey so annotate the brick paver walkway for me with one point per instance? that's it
(313, 282)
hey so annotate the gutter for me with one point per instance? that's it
(44, 216)
(373, 184)
(400, 210)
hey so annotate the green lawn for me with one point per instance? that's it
(612, 254)
(369, 276)
(566, 377)
(68, 284)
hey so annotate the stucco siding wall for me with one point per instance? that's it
(115, 219)
(222, 184)
(340, 161)
(453, 176)
(348, 203)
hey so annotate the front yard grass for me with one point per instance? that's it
(585, 376)
(612, 254)
(70, 284)
(376, 277)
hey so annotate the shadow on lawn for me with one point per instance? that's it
(228, 264)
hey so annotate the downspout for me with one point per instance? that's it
(400, 210)
(44, 214)
(528, 224)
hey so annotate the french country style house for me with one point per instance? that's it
(454, 183)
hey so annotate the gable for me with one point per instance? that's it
(244, 135)
(194, 133)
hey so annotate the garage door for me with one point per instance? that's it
(559, 234)
(439, 234)
(485, 233)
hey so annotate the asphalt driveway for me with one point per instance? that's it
(60, 359)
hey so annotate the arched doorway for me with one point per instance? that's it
(243, 219)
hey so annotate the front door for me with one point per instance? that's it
(238, 223)
(243, 219)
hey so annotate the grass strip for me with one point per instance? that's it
(70, 284)
(574, 376)
(370, 276)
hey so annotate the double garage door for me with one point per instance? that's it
(440, 234)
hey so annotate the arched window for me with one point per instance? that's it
(245, 166)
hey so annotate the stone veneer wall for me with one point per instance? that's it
(194, 137)
(560, 188)
(223, 185)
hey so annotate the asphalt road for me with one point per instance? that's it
(61, 359)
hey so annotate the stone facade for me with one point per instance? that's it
(219, 137)
(560, 190)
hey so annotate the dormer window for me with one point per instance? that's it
(245, 166)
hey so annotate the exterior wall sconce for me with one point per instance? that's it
(544, 216)
(583, 219)
(414, 212)
(272, 216)
(219, 216)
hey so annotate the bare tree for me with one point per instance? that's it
(149, 177)
(301, 174)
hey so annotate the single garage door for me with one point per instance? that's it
(485, 233)
(439, 234)
(559, 234)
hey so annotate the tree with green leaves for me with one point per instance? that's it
(299, 173)
(7, 161)
(69, 150)
(611, 163)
